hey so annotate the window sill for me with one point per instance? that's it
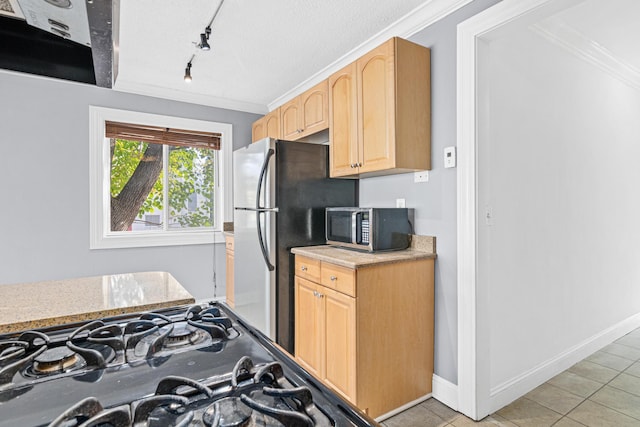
(144, 239)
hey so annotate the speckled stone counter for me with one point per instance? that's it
(35, 305)
(421, 247)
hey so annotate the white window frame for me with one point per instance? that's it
(101, 236)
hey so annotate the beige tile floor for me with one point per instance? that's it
(603, 390)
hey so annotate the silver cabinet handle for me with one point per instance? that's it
(315, 294)
(303, 268)
(320, 295)
(333, 278)
(359, 164)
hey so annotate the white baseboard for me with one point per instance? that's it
(445, 392)
(511, 390)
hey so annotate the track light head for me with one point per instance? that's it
(187, 73)
(204, 44)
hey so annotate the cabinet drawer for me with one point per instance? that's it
(341, 279)
(229, 243)
(308, 268)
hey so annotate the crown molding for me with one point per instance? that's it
(122, 85)
(418, 19)
(560, 33)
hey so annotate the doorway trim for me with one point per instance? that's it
(474, 351)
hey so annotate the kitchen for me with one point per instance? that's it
(35, 247)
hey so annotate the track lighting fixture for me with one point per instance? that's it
(187, 71)
(204, 43)
(204, 39)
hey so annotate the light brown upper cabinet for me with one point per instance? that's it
(380, 112)
(266, 126)
(306, 114)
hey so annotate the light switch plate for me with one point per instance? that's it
(401, 203)
(450, 157)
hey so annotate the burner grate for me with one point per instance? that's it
(251, 396)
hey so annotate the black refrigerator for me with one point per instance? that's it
(281, 189)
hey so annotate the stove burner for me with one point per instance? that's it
(227, 412)
(53, 360)
(181, 335)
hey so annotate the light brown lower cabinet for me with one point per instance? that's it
(367, 332)
(229, 271)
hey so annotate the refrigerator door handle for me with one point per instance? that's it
(263, 173)
(262, 210)
(263, 247)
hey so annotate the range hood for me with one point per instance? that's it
(64, 18)
(85, 54)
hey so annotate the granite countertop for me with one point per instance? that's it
(35, 305)
(421, 247)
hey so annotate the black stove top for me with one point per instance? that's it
(184, 366)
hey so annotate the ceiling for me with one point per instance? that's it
(266, 52)
(261, 51)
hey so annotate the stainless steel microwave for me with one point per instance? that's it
(369, 229)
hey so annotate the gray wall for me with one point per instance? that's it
(44, 186)
(435, 201)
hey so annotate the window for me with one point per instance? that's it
(157, 180)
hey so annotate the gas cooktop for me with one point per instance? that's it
(182, 366)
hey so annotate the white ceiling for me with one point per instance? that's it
(262, 51)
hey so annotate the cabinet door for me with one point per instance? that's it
(258, 130)
(290, 120)
(309, 326)
(340, 342)
(229, 290)
(272, 124)
(375, 76)
(343, 140)
(314, 109)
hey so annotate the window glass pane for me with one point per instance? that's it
(150, 222)
(136, 186)
(191, 187)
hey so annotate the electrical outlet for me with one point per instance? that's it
(401, 203)
(421, 176)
